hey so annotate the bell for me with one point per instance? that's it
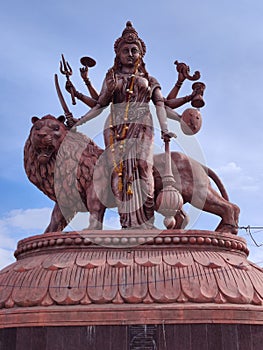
(198, 100)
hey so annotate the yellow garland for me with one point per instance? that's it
(119, 169)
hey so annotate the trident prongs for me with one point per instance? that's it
(65, 67)
(67, 71)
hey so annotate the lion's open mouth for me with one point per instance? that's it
(44, 153)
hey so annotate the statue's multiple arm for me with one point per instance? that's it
(97, 102)
(158, 101)
(89, 101)
(172, 101)
(84, 75)
(104, 99)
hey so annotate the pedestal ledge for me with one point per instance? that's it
(111, 277)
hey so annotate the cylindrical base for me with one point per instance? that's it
(131, 337)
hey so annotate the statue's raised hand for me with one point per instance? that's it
(111, 80)
(84, 72)
(184, 72)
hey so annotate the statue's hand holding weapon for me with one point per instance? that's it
(167, 135)
(71, 121)
(67, 71)
(70, 88)
(183, 73)
(191, 119)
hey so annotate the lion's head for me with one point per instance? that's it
(54, 155)
(46, 136)
(41, 148)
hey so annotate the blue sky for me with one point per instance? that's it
(222, 39)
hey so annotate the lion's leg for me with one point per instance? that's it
(96, 209)
(225, 226)
(96, 218)
(215, 204)
(57, 222)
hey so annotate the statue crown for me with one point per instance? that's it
(130, 36)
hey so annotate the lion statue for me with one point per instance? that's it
(68, 167)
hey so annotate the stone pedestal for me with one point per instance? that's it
(163, 288)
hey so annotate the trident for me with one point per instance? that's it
(67, 71)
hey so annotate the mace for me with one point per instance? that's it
(169, 201)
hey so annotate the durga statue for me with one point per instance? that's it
(139, 182)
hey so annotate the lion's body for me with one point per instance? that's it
(64, 165)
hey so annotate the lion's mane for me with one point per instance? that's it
(68, 172)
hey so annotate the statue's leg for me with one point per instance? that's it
(146, 174)
(147, 189)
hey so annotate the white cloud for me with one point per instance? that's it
(7, 257)
(27, 219)
(229, 168)
(18, 224)
(236, 178)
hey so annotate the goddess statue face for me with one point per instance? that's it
(129, 54)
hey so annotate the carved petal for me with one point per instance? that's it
(236, 260)
(133, 287)
(7, 282)
(194, 280)
(226, 284)
(119, 259)
(148, 258)
(59, 285)
(102, 284)
(177, 259)
(59, 261)
(208, 285)
(209, 259)
(29, 263)
(77, 284)
(244, 286)
(33, 287)
(164, 285)
(91, 260)
(256, 278)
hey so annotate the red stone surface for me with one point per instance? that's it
(118, 277)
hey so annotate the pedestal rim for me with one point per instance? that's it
(94, 315)
(121, 239)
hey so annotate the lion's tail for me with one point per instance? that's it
(218, 183)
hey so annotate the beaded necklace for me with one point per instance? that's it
(122, 137)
